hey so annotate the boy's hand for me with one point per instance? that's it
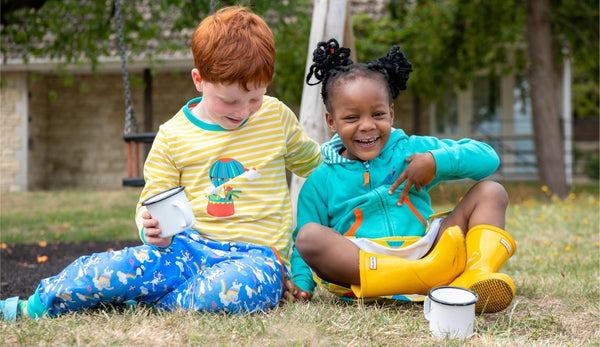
(293, 293)
(151, 232)
(419, 172)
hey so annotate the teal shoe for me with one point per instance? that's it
(10, 309)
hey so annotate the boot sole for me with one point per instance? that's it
(494, 295)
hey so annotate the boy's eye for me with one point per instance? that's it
(228, 101)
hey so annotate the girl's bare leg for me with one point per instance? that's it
(330, 255)
(484, 203)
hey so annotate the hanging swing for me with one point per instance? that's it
(133, 139)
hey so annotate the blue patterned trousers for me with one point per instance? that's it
(192, 273)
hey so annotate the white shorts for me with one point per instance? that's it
(416, 250)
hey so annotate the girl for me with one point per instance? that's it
(365, 225)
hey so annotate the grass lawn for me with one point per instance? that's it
(555, 270)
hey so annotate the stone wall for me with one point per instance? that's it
(76, 128)
(13, 132)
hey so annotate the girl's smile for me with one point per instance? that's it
(368, 141)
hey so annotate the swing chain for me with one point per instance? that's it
(129, 115)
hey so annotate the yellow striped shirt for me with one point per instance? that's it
(235, 179)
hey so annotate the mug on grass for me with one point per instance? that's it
(172, 210)
(450, 311)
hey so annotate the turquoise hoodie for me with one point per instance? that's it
(348, 194)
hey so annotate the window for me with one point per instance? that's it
(522, 106)
(525, 156)
(487, 107)
(524, 147)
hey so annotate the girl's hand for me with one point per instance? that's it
(419, 172)
(151, 232)
(293, 293)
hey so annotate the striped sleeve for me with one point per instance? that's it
(160, 172)
(303, 153)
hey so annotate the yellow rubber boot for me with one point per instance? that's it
(388, 275)
(488, 248)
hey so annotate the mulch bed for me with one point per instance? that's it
(23, 266)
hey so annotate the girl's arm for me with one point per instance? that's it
(312, 207)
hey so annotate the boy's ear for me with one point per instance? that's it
(197, 79)
(330, 122)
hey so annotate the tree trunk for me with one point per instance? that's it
(546, 123)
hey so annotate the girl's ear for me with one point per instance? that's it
(392, 113)
(330, 119)
(197, 79)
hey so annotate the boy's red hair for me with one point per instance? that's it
(234, 45)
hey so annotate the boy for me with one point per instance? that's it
(230, 148)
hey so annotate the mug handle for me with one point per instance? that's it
(189, 217)
(427, 308)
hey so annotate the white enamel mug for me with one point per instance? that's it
(450, 311)
(172, 210)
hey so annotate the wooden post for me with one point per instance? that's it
(330, 19)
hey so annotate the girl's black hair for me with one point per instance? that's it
(330, 62)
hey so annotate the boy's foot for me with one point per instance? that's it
(11, 309)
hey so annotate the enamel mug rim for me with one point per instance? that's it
(431, 296)
(163, 195)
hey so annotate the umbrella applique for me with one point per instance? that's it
(220, 199)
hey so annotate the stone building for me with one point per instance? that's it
(58, 135)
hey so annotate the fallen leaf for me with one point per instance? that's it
(42, 244)
(3, 246)
(42, 258)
